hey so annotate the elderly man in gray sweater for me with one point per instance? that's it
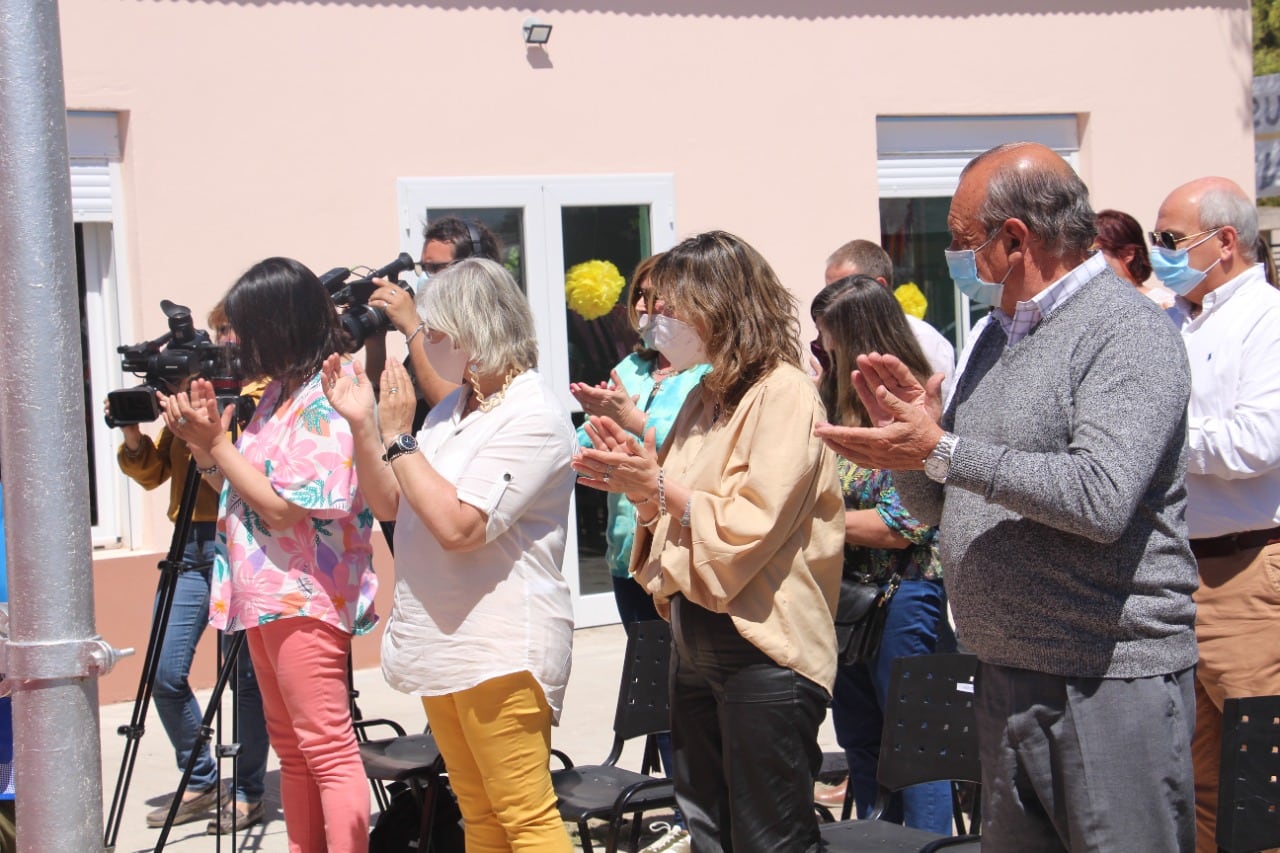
(1057, 476)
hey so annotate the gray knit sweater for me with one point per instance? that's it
(1063, 540)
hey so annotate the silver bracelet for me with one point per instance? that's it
(207, 472)
(415, 333)
(662, 493)
(688, 508)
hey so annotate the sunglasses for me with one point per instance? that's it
(1170, 240)
(823, 357)
(432, 269)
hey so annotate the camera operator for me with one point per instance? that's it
(445, 242)
(150, 463)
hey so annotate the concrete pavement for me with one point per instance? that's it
(585, 733)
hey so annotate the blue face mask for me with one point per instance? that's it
(963, 266)
(1173, 267)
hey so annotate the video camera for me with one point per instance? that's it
(359, 318)
(166, 362)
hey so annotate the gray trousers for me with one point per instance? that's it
(1085, 764)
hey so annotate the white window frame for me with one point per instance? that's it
(922, 157)
(93, 143)
(541, 198)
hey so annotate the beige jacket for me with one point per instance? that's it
(766, 540)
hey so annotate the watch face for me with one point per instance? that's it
(407, 443)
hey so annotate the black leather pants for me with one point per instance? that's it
(745, 734)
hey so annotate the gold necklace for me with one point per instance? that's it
(488, 404)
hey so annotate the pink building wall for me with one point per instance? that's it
(260, 128)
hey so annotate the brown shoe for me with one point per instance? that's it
(830, 795)
(193, 806)
(244, 815)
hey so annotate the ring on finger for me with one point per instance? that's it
(182, 421)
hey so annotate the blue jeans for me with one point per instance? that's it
(176, 705)
(917, 613)
(175, 702)
(251, 728)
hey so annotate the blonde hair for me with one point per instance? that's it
(478, 304)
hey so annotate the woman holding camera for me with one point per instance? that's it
(294, 560)
(739, 542)
(482, 627)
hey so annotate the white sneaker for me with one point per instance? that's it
(676, 840)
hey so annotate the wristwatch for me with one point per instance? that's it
(403, 444)
(937, 465)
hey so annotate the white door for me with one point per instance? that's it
(547, 224)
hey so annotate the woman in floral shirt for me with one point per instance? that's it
(294, 562)
(882, 540)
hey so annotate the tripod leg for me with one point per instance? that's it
(205, 734)
(170, 568)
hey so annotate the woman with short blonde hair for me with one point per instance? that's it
(482, 625)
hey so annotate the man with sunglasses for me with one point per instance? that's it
(445, 241)
(1056, 475)
(1203, 248)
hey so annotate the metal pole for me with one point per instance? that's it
(54, 656)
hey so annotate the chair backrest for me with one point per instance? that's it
(930, 731)
(643, 701)
(1249, 775)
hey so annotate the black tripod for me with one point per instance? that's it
(170, 568)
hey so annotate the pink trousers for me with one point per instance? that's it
(301, 665)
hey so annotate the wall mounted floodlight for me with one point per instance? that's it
(535, 33)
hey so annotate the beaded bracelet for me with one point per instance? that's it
(207, 472)
(662, 492)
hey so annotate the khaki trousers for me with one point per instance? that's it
(1238, 627)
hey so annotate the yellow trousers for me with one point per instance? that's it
(496, 743)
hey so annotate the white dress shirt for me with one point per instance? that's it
(1028, 313)
(938, 351)
(461, 619)
(1233, 428)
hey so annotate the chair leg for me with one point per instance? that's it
(637, 823)
(846, 809)
(615, 830)
(584, 835)
(427, 796)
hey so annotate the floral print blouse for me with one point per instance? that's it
(322, 567)
(871, 488)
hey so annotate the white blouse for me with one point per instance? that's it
(460, 619)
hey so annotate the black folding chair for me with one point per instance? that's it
(606, 791)
(930, 735)
(1249, 775)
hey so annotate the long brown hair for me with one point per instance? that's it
(719, 284)
(864, 317)
(638, 278)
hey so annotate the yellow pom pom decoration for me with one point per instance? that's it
(911, 299)
(592, 288)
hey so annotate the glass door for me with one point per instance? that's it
(547, 225)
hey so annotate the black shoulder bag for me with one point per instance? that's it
(860, 615)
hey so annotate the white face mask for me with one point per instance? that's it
(646, 330)
(678, 341)
(447, 359)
